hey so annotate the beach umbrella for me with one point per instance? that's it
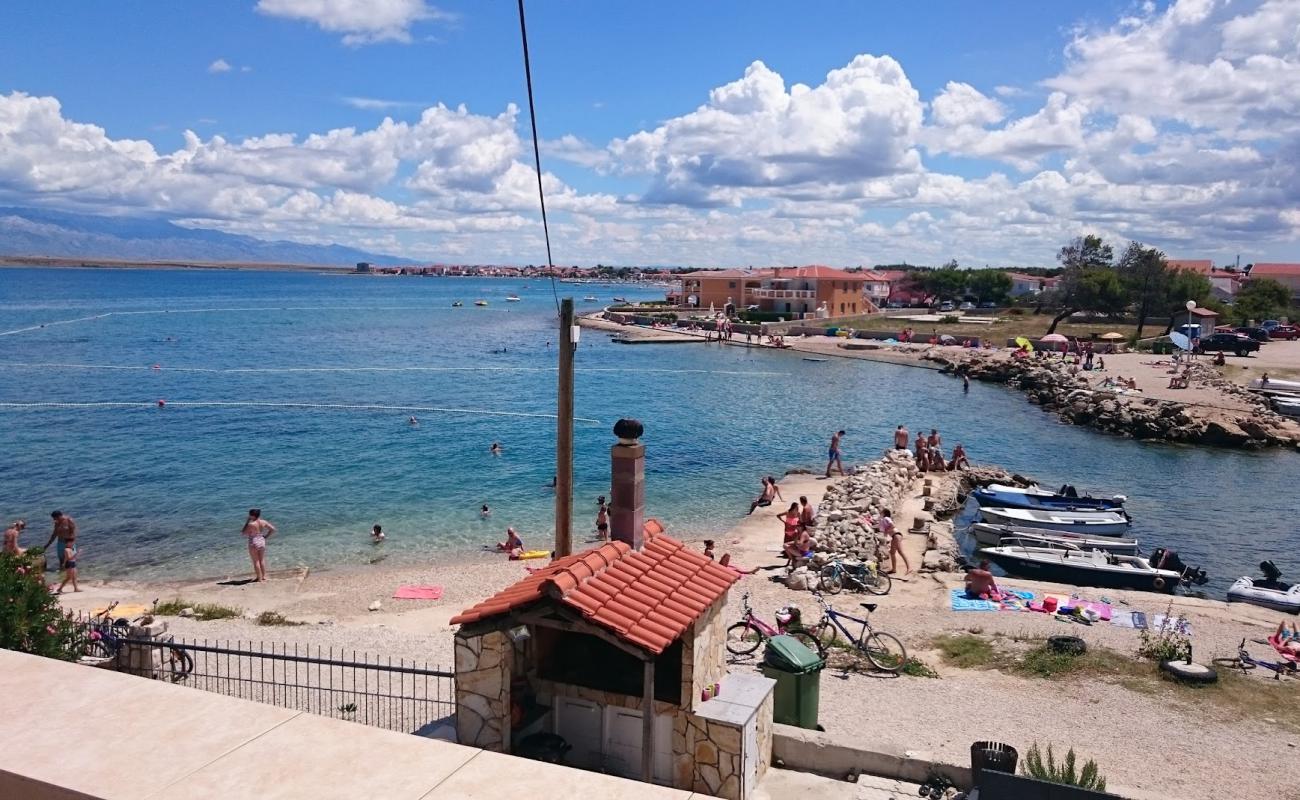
(1025, 343)
(1112, 336)
(1053, 337)
(1180, 341)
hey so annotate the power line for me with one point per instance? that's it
(537, 155)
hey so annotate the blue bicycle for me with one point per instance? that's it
(883, 650)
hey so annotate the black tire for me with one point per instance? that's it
(880, 585)
(1243, 353)
(1191, 673)
(1068, 645)
(743, 639)
(1232, 663)
(179, 664)
(830, 581)
(808, 640)
(884, 650)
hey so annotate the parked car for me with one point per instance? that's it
(967, 306)
(1284, 332)
(1258, 334)
(947, 305)
(988, 304)
(1237, 343)
(1269, 324)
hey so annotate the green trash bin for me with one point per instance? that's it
(797, 672)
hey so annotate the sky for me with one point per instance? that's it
(722, 134)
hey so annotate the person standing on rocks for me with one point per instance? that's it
(887, 527)
(901, 438)
(833, 457)
(922, 452)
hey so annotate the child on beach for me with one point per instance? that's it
(376, 534)
(257, 531)
(70, 568)
(708, 549)
(602, 518)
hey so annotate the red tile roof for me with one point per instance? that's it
(648, 598)
(1202, 266)
(1270, 270)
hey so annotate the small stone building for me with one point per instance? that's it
(584, 646)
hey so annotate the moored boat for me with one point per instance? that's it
(480, 302)
(987, 535)
(1084, 568)
(989, 496)
(1104, 523)
(591, 298)
(1268, 591)
(512, 298)
(457, 304)
(1275, 385)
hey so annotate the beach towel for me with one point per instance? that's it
(418, 593)
(1289, 655)
(1129, 619)
(1159, 622)
(1014, 602)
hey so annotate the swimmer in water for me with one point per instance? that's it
(377, 534)
(484, 512)
(414, 421)
(495, 449)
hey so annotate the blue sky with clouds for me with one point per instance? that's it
(703, 133)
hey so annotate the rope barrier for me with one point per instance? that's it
(254, 404)
(261, 370)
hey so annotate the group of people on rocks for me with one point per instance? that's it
(929, 451)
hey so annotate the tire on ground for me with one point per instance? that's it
(1192, 673)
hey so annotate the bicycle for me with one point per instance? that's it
(744, 637)
(1245, 661)
(863, 576)
(106, 636)
(883, 650)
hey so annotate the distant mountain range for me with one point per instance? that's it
(56, 234)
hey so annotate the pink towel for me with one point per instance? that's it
(418, 593)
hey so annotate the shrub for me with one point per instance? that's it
(31, 619)
(275, 618)
(1064, 773)
(1168, 643)
(203, 612)
(1015, 312)
(950, 319)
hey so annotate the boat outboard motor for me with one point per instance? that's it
(1271, 576)
(1068, 491)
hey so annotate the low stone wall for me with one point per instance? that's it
(483, 667)
(874, 487)
(1050, 385)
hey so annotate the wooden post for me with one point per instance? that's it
(648, 723)
(564, 436)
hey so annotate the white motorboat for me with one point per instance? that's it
(987, 535)
(1287, 406)
(591, 298)
(1275, 385)
(1034, 490)
(512, 298)
(1268, 591)
(1084, 568)
(1104, 523)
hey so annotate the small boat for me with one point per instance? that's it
(591, 298)
(818, 360)
(1035, 490)
(1275, 385)
(512, 298)
(989, 496)
(1002, 535)
(1268, 591)
(1104, 523)
(620, 299)
(457, 304)
(1287, 406)
(1087, 568)
(480, 302)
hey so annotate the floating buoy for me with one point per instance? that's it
(157, 366)
(162, 403)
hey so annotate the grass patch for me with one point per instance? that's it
(203, 612)
(966, 651)
(276, 618)
(916, 668)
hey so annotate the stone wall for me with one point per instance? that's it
(710, 759)
(879, 485)
(704, 654)
(483, 668)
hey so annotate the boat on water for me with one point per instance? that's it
(1267, 592)
(988, 496)
(512, 298)
(1035, 490)
(1286, 405)
(1275, 385)
(1090, 568)
(480, 302)
(620, 299)
(987, 535)
(591, 298)
(457, 304)
(1103, 523)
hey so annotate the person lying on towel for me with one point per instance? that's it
(980, 584)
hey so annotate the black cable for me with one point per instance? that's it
(537, 155)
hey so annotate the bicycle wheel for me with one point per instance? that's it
(179, 664)
(825, 633)
(810, 641)
(743, 639)
(878, 583)
(97, 651)
(884, 650)
(1232, 663)
(830, 581)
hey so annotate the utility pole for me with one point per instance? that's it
(564, 435)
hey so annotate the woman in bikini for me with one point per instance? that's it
(257, 530)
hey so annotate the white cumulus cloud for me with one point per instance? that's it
(219, 66)
(360, 21)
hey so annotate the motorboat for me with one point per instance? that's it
(1268, 591)
(1286, 405)
(457, 304)
(1094, 568)
(512, 298)
(1054, 502)
(1275, 385)
(1103, 523)
(1034, 490)
(591, 298)
(480, 303)
(987, 535)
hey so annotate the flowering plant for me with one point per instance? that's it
(31, 619)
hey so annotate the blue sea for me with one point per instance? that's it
(292, 392)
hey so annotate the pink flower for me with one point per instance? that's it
(22, 570)
(50, 630)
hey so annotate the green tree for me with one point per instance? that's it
(31, 620)
(1183, 285)
(1145, 275)
(991, 285)
(1260, 299)
(1088, 282)
(946, 282)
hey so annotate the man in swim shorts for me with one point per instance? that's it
(901, 438)
(980, 583)
(65, 530)
(833, 455)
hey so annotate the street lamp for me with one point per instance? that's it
(1191, 304)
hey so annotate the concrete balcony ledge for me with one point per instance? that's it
(71, 732)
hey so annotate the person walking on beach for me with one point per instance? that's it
(901, 438)
(602, 517)
(833, 457)
(65, 530)
(11, 538)
(887, 527)
(257, 530)
(69, 569)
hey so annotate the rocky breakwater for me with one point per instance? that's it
(1059, 387)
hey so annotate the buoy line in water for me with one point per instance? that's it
(244, 370)
(237, 309)
(255, 404)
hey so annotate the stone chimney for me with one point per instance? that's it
(627, 485)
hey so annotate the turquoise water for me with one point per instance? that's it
(162, 491)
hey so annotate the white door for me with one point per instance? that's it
(623, 745)
(579, 722)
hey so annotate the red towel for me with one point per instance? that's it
(418, 593)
